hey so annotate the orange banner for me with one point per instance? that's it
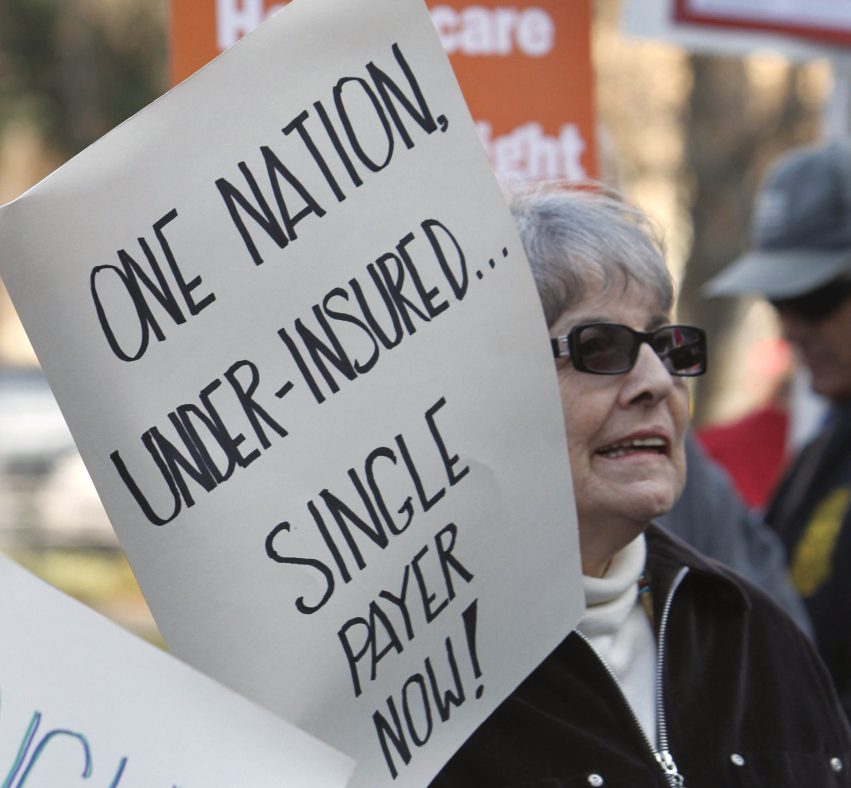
(524, 68)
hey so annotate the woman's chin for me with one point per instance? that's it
(654, 505)
(647, 502)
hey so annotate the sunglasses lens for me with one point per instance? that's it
(606, 348)
(612, 348)
(682, 349)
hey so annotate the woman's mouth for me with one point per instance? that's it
(629, 446)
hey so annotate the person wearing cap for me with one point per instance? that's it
(800, 261)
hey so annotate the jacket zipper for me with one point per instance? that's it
(662, 756)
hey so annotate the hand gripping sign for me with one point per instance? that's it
(295, 336)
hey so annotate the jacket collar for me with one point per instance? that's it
(666, 554)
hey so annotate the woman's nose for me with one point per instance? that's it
(648, 380)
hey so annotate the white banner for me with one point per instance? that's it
(290, 324)
(81, 699)
(806, 13)
(658, 19)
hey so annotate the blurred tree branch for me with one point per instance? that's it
(74, 69)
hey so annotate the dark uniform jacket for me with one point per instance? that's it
(811, 511)
(746, 701)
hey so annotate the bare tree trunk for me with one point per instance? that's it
(729, 137)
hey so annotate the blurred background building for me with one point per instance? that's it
(684, 129)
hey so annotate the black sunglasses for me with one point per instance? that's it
(612, 348)
(818, 304)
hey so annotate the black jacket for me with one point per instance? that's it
(747, 701)
(811, 511)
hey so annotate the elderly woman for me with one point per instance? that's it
(680, 672)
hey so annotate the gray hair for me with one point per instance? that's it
(576, 237)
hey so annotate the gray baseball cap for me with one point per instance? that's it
(801, 227)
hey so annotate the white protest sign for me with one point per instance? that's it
(663, 19)
(805, 14)
(81, 699)
(292, 329)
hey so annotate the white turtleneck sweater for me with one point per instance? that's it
(616, 625)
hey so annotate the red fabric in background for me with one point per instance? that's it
(752, 450)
